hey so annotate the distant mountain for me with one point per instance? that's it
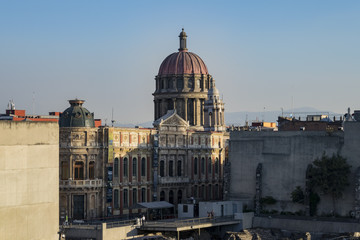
(239, 118)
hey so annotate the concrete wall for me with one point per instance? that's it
(188, 214)
(116, 233)
(229, 208)
(285, 157)
(29, 180)
(306, 225)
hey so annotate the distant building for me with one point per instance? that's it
(20, 115)
(311, 123)
(29, 193)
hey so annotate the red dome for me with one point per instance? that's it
(183, 62)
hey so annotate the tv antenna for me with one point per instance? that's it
(112, 117)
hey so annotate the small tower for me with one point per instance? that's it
(214, 111)
(183, 37)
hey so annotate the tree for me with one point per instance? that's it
(330, 175)
(297, 195)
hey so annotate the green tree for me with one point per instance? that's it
(297, 195)
(330, 175)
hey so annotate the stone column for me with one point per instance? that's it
(155, 110)
(202, 112)
(186, 109)
(163, 107)
(197, 112)
(174, 103)
(194, 111)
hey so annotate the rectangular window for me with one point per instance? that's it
(143, 167)
(134, 196)
(134, 170)
(171, 168)
(185, 208)
(116, 199)
(126, 195)
(125, 167)
(143, 195)
(116, 167)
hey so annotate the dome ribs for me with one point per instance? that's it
(182, 63)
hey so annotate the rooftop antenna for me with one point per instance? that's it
(246, 121)
(112, 117)
(282, 112)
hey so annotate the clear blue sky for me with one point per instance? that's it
(261, 53)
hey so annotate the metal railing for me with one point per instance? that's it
(174, 180)
(120, 223)
(188, 222)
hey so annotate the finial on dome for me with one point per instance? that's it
(183, 37)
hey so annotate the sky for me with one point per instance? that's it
(262, 54)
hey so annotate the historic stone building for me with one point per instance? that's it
(81, 165)
(105, 171)
(189, 118)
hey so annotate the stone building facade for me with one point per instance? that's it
(105, 171)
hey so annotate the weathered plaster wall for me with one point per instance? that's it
(29, 180)
(285, 157)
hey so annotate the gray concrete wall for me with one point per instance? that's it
(119, 232)
(29, 180)
(306, 225)
(285, 157)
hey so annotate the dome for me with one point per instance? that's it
(76, 115)
(183, 62)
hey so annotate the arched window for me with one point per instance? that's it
(162, 196)
(162, 168)
(125, 167)
(91, 170)
(179, 168)
(116, 167)
(134, 164)
(116, 199)
(170, 84)
(143, 195)
(171, 168)
(171, 197)
(126, 198)
(65, 171)
(180, 84)
(195, 166)
(216, 166)
(209, 165)
(79, 171)
(143, 167)
(202, 165)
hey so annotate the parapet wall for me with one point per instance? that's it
(29, 180)
(298, 225)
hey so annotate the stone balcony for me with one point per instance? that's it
(81, 184)
(167, 180)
